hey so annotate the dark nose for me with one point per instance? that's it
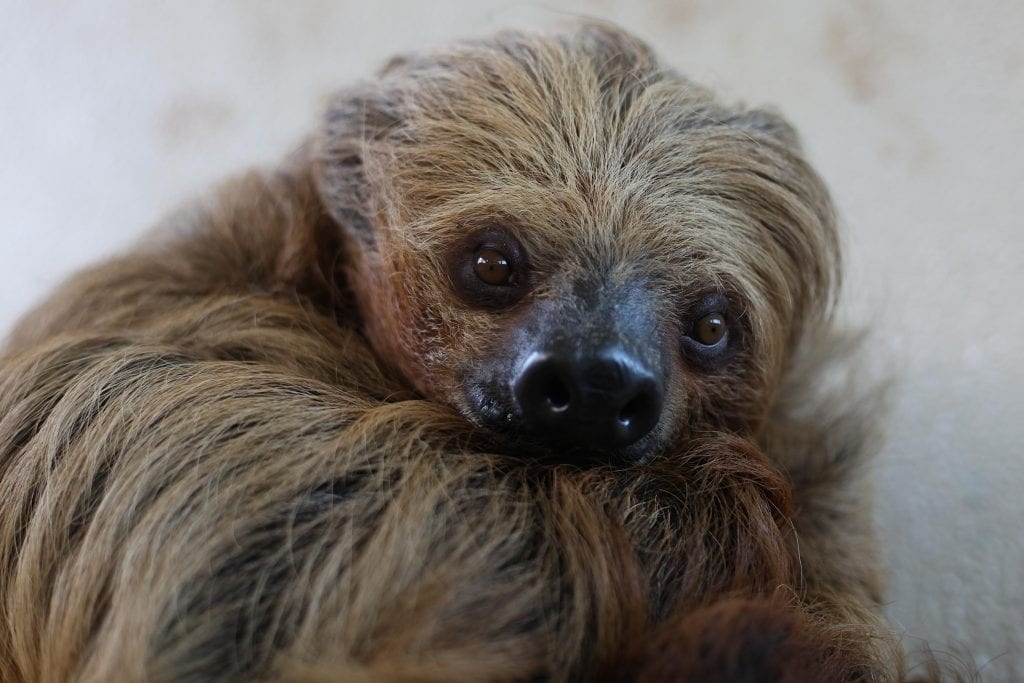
(604, 402)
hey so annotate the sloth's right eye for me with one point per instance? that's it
(493, 267)
(489, 269)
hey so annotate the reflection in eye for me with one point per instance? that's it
(493, 267)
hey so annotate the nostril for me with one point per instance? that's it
(640, 413)
(638, 406)
(556, 393)
(544, 391)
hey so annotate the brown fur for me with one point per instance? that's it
(242, 451)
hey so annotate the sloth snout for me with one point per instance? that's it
(605, 401)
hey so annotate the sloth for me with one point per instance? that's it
(518, 370)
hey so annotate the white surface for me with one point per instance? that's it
(112, 112)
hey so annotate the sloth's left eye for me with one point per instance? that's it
(710, 329)
(493, 267)
(709, 339)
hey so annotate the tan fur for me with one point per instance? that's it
(242, 453)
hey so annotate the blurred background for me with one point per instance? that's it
(113, 112)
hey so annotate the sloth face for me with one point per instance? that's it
(575, 247)
(585, 360)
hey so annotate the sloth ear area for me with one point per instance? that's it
(356, 120)
(765, 122)
(307, 244)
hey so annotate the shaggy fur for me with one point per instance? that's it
(245, 451)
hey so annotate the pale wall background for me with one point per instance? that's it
(112, 112)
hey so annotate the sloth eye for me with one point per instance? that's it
(493, 267)
(710, 329)
(708, 341)
(489, 269)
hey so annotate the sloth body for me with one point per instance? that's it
(512, 374)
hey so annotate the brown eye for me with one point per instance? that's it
(710, 329)
(489, 269)
(493, 267)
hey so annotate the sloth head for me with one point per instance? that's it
(574, 246)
